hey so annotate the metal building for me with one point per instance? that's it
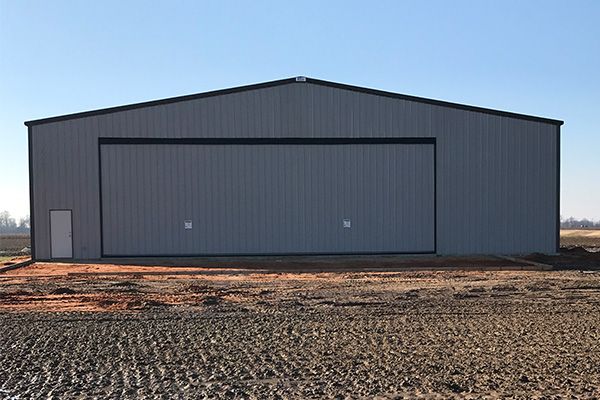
(295, 166)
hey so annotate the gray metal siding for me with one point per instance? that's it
(256, 199)
(496, 176)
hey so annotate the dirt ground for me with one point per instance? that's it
(383, 327)
(107, 331)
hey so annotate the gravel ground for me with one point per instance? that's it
(316, 335)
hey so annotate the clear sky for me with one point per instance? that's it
(532, 57)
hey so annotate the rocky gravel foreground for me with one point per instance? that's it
(529, 339)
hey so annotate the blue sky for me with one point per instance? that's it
(532, 57)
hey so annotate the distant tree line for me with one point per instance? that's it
(578, 223)
(9, 225)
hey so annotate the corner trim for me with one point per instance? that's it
(100, 197)
(31, 206)
(558, 189)
(435, 219)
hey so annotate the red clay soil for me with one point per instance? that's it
(113, 287)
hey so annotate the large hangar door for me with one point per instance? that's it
(200, 198)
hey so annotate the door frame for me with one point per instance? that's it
(50, 232)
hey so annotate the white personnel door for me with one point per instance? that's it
(60, 234)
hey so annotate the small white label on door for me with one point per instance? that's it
(346, 223)
(187, 224)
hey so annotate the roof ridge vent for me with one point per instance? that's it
(300, 79)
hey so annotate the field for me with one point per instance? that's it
(329, 328)
(11, 245)
(580, 237)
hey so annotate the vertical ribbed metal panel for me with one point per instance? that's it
(267, 199)
(496, 176)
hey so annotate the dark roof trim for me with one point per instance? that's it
(289, 81)
(440, 103)
(159, 102)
